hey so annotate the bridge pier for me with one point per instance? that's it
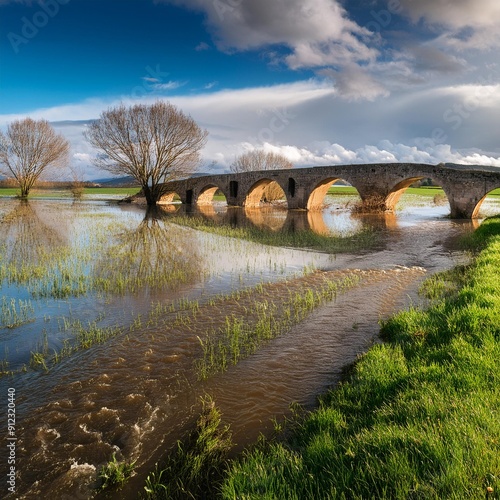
(464, 208)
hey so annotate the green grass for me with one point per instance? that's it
(347, 190)
(9, 192)
(418, 416)
(195, 467)
(128, 191)
(15, 313)
(425, 191)
(430, 191)
(114, 474)
(66, 193)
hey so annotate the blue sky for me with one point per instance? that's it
(108, 48)
(322, 81)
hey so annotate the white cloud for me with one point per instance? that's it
(150, 79)
(355, 83)
(467, 23)
(83, 157)
(454, 13)
(316, 33)
(171, 85)
(210, 85)
(245, 25)
(364, 62)
(309, 123)
(326, 153)
(202, 46)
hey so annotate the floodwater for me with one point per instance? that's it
(68, 267)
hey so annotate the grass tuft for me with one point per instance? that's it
(114, 474)
(195, 468)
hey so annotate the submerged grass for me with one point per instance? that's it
(264, 320)
(83, 337)
(184, 313)
(14, 313)
(418, 415)
(84, 255)
(364, 239)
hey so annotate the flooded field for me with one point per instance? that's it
(109, 314)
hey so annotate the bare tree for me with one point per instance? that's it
(27, 148)
(152, 143)
(77, 185)
(260, 160)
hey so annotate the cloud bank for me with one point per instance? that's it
(363, 60)
(307, 34)
(309, 124)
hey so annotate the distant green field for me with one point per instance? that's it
(8, 191)
(66, 193)
(422, 191)
(347, 190)
(334, 190)
(108, 190)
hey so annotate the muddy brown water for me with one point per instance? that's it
(137, 394)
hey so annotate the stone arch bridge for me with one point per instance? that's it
(379, 185)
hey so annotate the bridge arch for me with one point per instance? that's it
(398, 190)
(169, 197)
(477, 208)
(316, 198)
(207, 193)
(257, 191)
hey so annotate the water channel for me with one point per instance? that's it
(72, 266)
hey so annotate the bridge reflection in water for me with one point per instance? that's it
(324, 223)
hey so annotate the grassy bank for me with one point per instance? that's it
(418, 416)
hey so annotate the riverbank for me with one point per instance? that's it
(418, 415)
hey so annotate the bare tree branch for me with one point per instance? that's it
(260, 160)
(152, 143)
(27, 148)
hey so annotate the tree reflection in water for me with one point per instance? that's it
(154, 254)
(28, 241)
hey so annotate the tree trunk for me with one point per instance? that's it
(150, 196)
(24, 190)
